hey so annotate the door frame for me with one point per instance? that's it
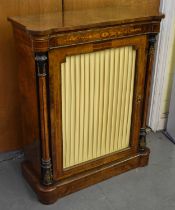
(163, 51)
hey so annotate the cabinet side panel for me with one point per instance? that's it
(28, 99)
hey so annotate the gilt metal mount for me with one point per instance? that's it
(142, 140)
(41, 64)
(47, 175)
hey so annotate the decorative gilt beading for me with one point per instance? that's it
(42, 88)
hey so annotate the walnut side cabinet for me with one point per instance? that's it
(84, 80)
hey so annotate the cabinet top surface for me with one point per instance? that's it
(84, 19)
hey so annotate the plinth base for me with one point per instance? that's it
(49, 194)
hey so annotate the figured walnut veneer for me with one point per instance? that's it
(84, 82)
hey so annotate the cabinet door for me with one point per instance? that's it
(96, 100)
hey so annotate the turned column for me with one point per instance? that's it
(41, 60)
(150, 60)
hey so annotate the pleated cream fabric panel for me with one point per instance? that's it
(97, 95)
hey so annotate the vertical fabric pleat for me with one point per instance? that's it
(97, 95)
(96, 142)
(64, 112)
(82, 107)
(77, 107)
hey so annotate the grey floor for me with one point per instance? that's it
(149, 188)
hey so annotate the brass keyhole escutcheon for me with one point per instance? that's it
(139, 99)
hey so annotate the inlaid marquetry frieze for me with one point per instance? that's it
(100, 34)
(45, 43)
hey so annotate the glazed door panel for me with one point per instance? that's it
(96, 103)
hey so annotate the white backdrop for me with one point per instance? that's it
(163, 51)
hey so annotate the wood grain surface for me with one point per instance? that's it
(10, 122)
(76, 20)
(98, 30)
(87, 4)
